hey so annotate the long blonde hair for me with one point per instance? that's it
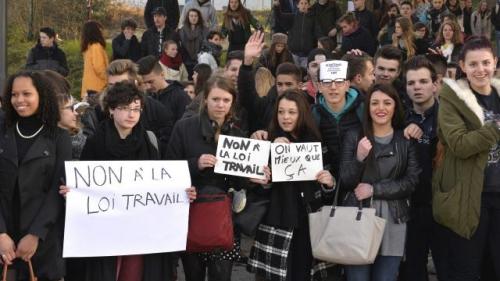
(408, 36)
(264, 81)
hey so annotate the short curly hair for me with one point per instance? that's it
(122, 94)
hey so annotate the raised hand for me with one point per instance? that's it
(254, 47)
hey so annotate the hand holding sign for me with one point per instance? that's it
(206, 161)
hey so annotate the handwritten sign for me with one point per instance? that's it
(118, 208)
(242, 157)
(296, 161)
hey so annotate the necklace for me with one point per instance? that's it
(27, 137)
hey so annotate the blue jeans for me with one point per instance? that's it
(385, 268)
(497, 41)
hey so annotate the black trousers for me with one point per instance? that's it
(195, 268)
(465, 260)
(423, 235)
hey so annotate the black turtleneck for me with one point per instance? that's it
(28, 126)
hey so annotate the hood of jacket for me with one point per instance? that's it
(463, 93)
(353, 99)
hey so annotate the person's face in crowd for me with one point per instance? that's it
(193, 18)
(313, 67)
(234, 4)
(392, 12)
(406, 11)
(113, 79)
(479, 67)
(468, 3)
(127, 116)
(447, 32)
(286, 82)
(216, 40)
(381, 108)
(334, 91)
(483, 7)
(218, 103)
(279, 47)
(190, 91)
(303, 6)
(153, 82)
(128, 32)
(359, 4)
(232, 70)
(159, 20)
(437, 4)
(419, 86)
(288, 115)
(386, 71)
(45, 40)
(366, 80)
(347, 28)
(25, 98)
(398, 31)
(68, 116)
(452, 2)
(420, 33)
(171, 50)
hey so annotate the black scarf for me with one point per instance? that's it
(133, 147)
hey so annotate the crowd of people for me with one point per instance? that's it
(412, 129)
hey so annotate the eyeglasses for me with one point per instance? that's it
(329, 83)
(129, 110)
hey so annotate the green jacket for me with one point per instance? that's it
(467, 139)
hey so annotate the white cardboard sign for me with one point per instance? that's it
(296, 161)
(333, 70)
(118, 208)
(242, 157)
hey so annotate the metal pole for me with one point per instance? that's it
(31, 21)
(3, 43)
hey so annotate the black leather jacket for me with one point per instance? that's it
(401, 163)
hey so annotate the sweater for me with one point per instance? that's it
(95, 63)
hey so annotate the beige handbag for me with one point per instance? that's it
(346, 235)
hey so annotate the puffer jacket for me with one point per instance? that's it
(52, 58)
(396, 189)
(302, 37)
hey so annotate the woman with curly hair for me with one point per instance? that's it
(32, 154)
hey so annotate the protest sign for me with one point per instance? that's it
(119, 208)
(333, 70)
(296, 161)
(242, 157)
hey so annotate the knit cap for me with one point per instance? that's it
(279, 38)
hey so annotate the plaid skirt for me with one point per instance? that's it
(269, 255)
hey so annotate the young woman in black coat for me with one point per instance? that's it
(289, 201)
(32, 154)
(380, 163)
(195, 139)
(122, 137)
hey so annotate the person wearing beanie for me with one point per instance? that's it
(47, 55)
(277, 54)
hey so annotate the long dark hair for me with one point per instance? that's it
(91, 33)
(204, 72)
(242, 14)
(397, 118)
(306, 127)
(48, 107)
(276, 59)
(200, 22)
